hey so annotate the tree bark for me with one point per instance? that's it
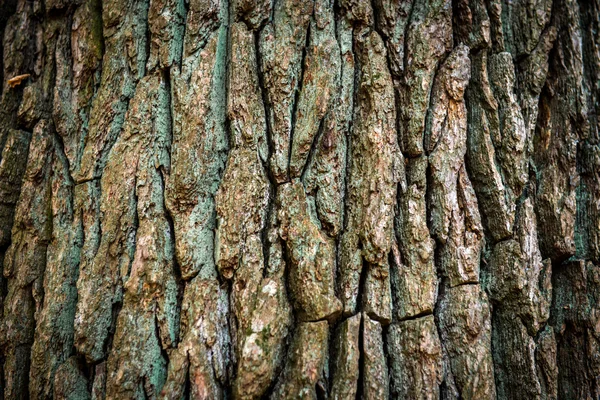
(288, 199)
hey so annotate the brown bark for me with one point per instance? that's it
(288, 199)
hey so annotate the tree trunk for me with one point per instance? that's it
(300, 199)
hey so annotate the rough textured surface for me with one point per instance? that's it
(415, 359)
(235, 199)
(305, 362)
(375, 369)
(416, 284)
(320, 84)
(428, 40)
(346, 361)
(374, 170)
(310, 256)
(25, 262)
(282, 46)
(136, 366)
(465, 326)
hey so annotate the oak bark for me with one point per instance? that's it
(288, 199)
